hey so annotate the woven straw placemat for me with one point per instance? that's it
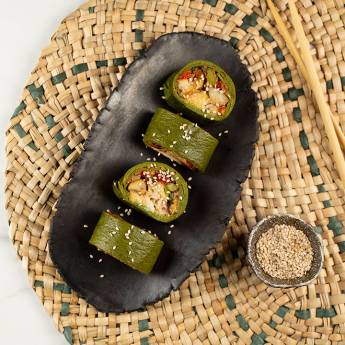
(223, 302)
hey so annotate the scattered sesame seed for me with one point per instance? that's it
(91, 256)
(189, 187)
(132, 260)
(85, 226)
(226, 132)
(119, 207)
(153, 134)
(101, 276)
(121, 214)
(142, 134)
(174, 142)
(161, 88)
(171, 146)
(142, 231)
(130, 243)
(174, 164)
(220, 134)
(114, 247)
(100, 260)
(148, 159)
(172, 226)
(158, 154)
(212, 118)
(181, 198)
(169, 232)
(163, 97)
(132, 227)
(154, 159)
(185, 151)
(169, 131)
(190, 178)
(129, 252)
(141, 154)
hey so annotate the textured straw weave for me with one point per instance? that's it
(223, 302)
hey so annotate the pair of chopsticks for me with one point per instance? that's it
(334, 132)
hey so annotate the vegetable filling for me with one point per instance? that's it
(156, 190)
(203, 88)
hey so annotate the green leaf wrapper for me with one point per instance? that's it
(177, 188)
(127, 243)
(180, 140)
(211, 71)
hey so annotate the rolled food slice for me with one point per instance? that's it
(154, 189)
(127, 243)
(201, 89)
(180, 140)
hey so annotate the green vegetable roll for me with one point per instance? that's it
(127, 243)
(154, 189)
(201, 89)
(180, 140)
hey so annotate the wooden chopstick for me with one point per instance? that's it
(294, 52)
(318, 93)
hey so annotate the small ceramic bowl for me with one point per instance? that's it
(266, 224)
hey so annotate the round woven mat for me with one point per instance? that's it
(223, 302)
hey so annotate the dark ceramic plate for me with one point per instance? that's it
(115, 144)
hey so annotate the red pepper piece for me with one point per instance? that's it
(186, 75)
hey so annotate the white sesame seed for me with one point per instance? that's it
(85, 226)
(100, 260)
(141, 154)
(142, 231)
(91, 256)
(121, 214)
(161, 88)
(220, 134)
(119, 207)
(129, 252)
(130, 243)
(169, 232)
(171, 146)
(153, 134)
(132, 260)
(142, 134)
(132, 227)
(181, 198)
(154, 159)
(148, 159)
(172, 226)
(163, 97)
(190, 178)
(185, 151)
(101, 276)
(174, 164)
(189, 187)
(169, 131)
(114, 247)
(174, 142)
(158, 154)
(226, 132)
(212, 118)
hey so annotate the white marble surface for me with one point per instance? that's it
(25, 28)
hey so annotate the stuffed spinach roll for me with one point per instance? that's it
(201, 89)
(127, 243)
(180, 140)
(154, 189)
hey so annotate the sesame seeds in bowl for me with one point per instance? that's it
(284, 251)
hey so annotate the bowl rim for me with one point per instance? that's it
(264, 276)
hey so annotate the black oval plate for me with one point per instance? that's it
(115, 144)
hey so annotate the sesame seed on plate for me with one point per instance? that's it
(121, 214)
(190, 178)
(114, 247)
(189, 187)
(169, 131)
(100, 260)
(169, 232)
(185, 151)
(172, 226)
(163, 97)
(142, 231)
(220, 134)
(119, 207)
(148, 159)
(153, 134)
(141, 154)
(132, 260)
(142, 134)
(91, 256)
(130, 243)
(161, 88)
(85, 226)
(101, 275)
